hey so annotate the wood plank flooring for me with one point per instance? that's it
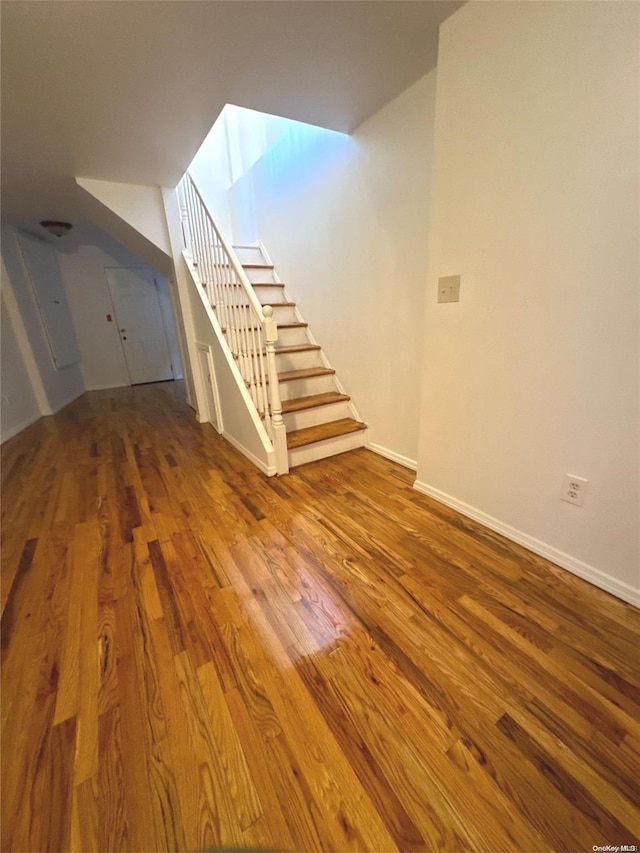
(195, 656)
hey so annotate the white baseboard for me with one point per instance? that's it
(66, 401)
(589, 573)
(393, 456)
(51, 411)
(267, 468)
(18, 428)
(108, 386)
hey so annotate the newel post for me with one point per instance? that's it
(277, 423)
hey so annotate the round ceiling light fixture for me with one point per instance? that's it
(58, 229)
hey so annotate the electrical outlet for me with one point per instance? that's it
(449, 288)
(573, 489)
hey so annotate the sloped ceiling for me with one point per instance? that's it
(126, 90)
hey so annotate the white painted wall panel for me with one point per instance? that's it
(239, 423)
(83, 270)
(19, 406)
(60, 386)
(535, 372)
(41, 262)
(346, 221)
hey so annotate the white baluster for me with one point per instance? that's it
(277, 423)
(245, 318)
(239, 312)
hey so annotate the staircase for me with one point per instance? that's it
(319, 417)
(287, 396)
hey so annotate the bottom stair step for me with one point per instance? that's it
(309, 435)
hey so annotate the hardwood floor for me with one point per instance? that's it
(196, 656)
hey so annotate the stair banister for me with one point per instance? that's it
(248, 326)
(230, 254)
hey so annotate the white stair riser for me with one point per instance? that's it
(298, 360)
(269, 295)
(319, 415)
(292, 337)
(284, 314)
(259, 274)
(324, 449)
(249, 254)
(294, 389)
(305, 387)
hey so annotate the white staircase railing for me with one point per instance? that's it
(249, 327)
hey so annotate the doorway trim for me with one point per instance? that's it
(139, 266)
(215, 417)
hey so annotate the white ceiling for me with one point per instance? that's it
(126, 90)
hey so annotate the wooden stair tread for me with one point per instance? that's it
(237, 285)
(257, 266)
(297, 348)
(276, 304)
(273, 304)
(279, 304)
(308, 373)
(313, 401)
(280, 326)
(309, 435)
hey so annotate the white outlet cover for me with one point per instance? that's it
(573, 489)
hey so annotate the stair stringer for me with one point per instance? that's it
(241, 423)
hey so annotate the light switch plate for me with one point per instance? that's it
(449, 288)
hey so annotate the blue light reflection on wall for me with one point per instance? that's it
(302, 154)
(297, 157)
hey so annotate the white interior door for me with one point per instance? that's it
(137, 308)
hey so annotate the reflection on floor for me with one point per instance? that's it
(197, 656)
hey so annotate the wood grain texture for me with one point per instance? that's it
(321, 432)
(312, 401)
(195, 656)
(283, 350)
(307, 373)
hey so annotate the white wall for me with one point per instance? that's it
(133, 214)
(211, 170)
(101, 356)
(240, 420)
(19, 405)
(535, 372)
(83, 271)
(60, 386)
(345, 220)
(102, 364)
